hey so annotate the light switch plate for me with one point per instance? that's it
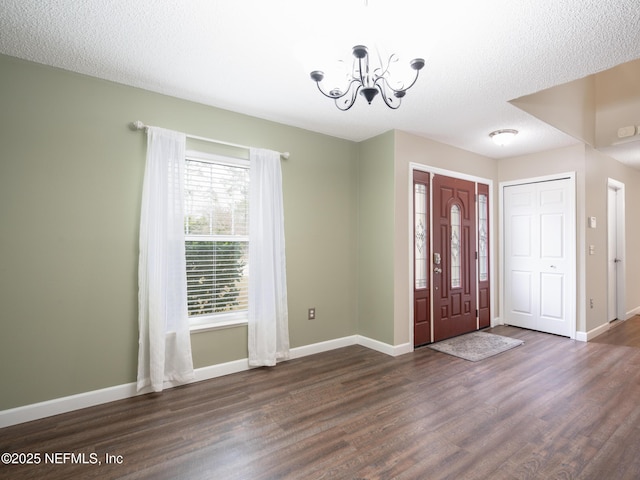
(629, 131)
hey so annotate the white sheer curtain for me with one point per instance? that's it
(164, 354)
(268, 312)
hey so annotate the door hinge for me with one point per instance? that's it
(477, 313)
(476, 255)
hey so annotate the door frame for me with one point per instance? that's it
(462, 176)
(620, 246)
(573, 294)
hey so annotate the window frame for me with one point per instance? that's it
(201, 323)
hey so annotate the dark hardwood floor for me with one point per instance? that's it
(551, 408)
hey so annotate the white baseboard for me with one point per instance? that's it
(320, 347)
(392, 350)
(593, 333)
(402, 349)
(56, 406)
(582, 336)
(631, 313)
(220, 370)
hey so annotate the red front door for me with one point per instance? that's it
(454, 262)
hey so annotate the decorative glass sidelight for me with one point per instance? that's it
(483, 244)
(420, 241)
(456, 264)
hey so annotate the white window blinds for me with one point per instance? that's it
(216, 236)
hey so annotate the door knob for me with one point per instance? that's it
(437, 270)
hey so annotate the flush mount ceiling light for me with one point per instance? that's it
(503, 137)
(369, 81)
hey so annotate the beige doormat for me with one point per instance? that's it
(476, 346)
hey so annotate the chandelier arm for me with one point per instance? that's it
(386, 68)
(385, 85)
(403, 89)
(415, 79)
(350, 102)
(334, 97)
(327, 95)
(385, 97)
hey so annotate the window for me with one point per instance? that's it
(420, 241)
(483, 238)
(455, 247)
(216, 231)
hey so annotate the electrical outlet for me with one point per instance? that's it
(312, 313)
(591, 302)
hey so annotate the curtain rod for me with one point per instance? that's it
(138, 125)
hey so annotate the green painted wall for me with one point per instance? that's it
(70, 187)
(376, 233)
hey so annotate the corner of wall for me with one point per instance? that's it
(375, 237)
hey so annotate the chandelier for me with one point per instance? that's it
(368, 81)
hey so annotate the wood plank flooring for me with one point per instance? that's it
(551, 408)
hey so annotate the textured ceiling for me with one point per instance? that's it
(254, 56)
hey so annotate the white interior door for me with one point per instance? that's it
(612, 252)
(616, 251)
(539, 256)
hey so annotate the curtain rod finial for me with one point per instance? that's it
(137, 125)
(285, 155)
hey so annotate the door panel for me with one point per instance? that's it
(521, 292)
(421, 253)
(454, 245)
(552, 236)
(538, 249)
(552, 296)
